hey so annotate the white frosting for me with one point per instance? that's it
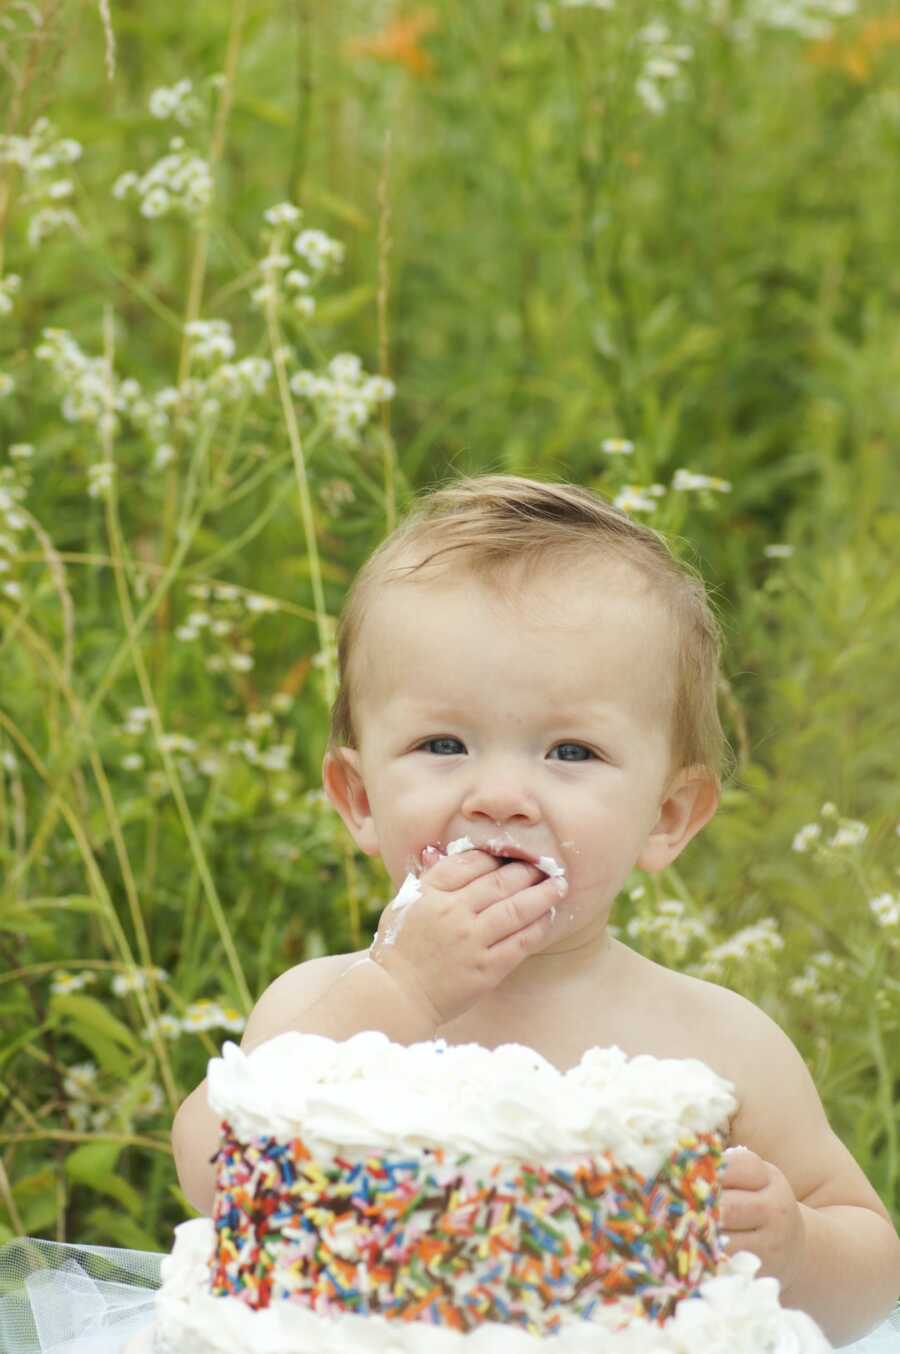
(734, 1313)
(507, 1103)
(409, 891)
(550, 866)
(461, 844)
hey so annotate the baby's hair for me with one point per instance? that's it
(491, 527)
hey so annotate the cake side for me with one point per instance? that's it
(733, 1311)
(458, 1241)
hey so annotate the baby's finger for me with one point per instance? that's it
(742, 1210)
(508, 918)
(743, 1169)
(497, 885)
(450, 873)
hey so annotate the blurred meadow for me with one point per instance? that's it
(268, 270)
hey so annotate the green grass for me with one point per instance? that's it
(539, 263)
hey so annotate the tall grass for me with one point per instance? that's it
(565, 272)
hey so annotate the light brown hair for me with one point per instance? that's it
(492, 527)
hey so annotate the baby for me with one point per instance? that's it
(527, 712)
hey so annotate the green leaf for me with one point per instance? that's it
(74, 902)
(106, 1225)
(346, 304)
(30, 1186)
(94, 1165)
(31, 1036)
(86, 1013)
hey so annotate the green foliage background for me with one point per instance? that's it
(540, 264)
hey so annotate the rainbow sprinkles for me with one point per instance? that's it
(448, 1240)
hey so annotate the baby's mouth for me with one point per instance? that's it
(507, 853)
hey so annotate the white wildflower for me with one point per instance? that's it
(203, 1014)
(753, 942)
(12, 590)
(808, 834)
(283, 214)
(850, 833)
(346, 397)
(137, 718)
(617, 446)
(136, 980)
(180, 181)
(778, 551)
(47, 221)
(282, 702)
(227, 592)
(178, 742)
(222, 628)
(661, 67)
(275, 758)
(9, 286)
(175, 101)
(258, 721)
(21, 451)
(163, 455)
(241, 662)
(670, 926)
(231, 1019)
(64, 983)
(149, 1102)
(335, 494)
(211, 340)
(885, 909)
(319, 250)
(257, 603)
(133, 761)
(634, 498)
(688, 479)
(80, 1080)
(100, 478)
(89, 389)
(168, 1026)
(829, 810)
(7, 384)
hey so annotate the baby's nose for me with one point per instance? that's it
(500, 798)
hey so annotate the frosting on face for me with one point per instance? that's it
(507, 1103)
(550, 866)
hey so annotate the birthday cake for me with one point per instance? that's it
(439, 1199)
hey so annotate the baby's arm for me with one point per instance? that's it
(797, 1199)
(473, 922)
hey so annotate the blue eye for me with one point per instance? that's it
(432, 743)
(579, 747)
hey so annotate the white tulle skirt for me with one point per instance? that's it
(59, 1299)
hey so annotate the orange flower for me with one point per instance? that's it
(399, 43)
(857, 58)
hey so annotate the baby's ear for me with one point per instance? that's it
(689, 803)
(343, 784)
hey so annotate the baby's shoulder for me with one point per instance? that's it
(291, 993)
(697, 1018)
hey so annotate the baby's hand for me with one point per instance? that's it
(760, 1214)
(474, 921)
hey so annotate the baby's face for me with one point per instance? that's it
(542, 725)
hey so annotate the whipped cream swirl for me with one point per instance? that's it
(504, 1103)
